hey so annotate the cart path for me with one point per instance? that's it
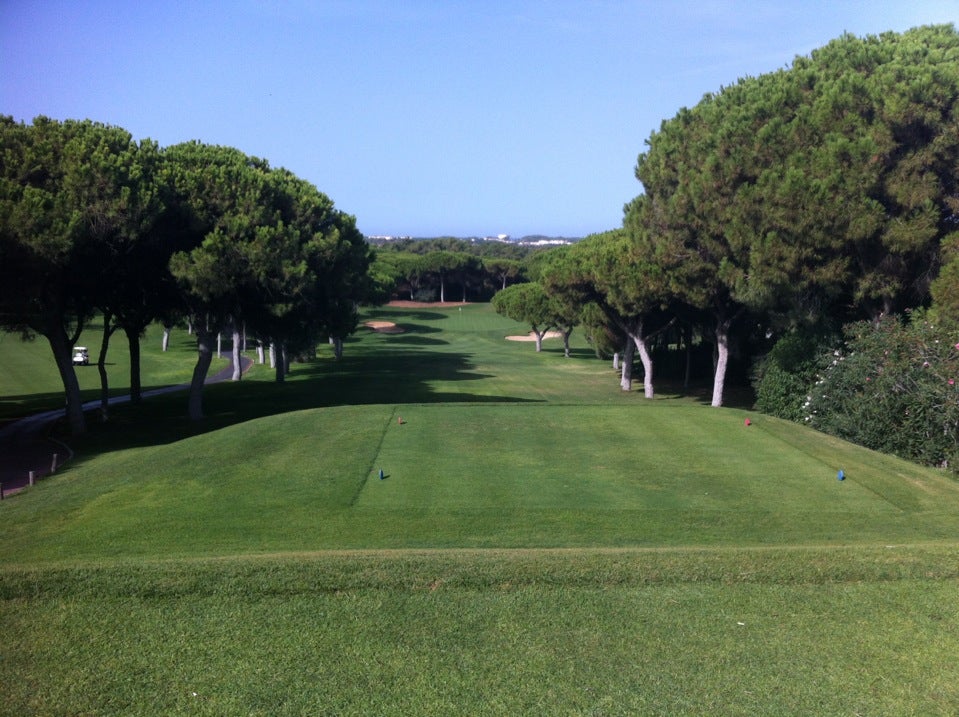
(26, 446)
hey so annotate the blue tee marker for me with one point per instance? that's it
(381, 474)
(840, 475)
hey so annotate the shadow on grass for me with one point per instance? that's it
(734, 396)
(385, 369)
(409, 314)
(574, 353)
(371, 373)
(13, 408)
(408, 328)
(416, 340)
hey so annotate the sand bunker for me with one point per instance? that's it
(384, 327)
(532, 337)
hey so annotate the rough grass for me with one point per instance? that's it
(540, 544)
(688, 632)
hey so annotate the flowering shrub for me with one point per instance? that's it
(782, 377)
(893, 387)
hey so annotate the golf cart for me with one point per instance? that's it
(81, 356)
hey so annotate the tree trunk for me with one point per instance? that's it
(219, 344)
(566, 335)
(626, 380)
(272, 355)
(616, 361)
(442, 290)
(204, 350)
(647, 360)
(279, 362)
(688, 339)
(61, 347)
(722, 359)
(260, 357)
(102, 367)
(539, 339)
(133, 344)
(166, 338)
(636, 340)
(337, 347)
(237, 364)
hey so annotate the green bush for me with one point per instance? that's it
(892, 386)
(782, 377)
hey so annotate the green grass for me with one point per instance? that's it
(30, 383)
(540, 544)
(865, 631)
(480, 475)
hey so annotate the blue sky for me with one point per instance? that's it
(420, 118)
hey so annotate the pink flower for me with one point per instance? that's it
(952, 382)
(957, 347)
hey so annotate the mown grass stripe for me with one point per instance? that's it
(374, 459)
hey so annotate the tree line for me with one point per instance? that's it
(447, 269)
(792, 203)
(95, 223)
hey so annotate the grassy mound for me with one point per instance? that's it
(480, 475)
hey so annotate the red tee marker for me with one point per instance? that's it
(747, 422)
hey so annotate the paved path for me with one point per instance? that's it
(25, 445)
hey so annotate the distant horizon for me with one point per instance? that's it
(423, 118)
(472, 237)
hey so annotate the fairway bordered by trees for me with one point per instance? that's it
(437, 520)
(795, 201)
